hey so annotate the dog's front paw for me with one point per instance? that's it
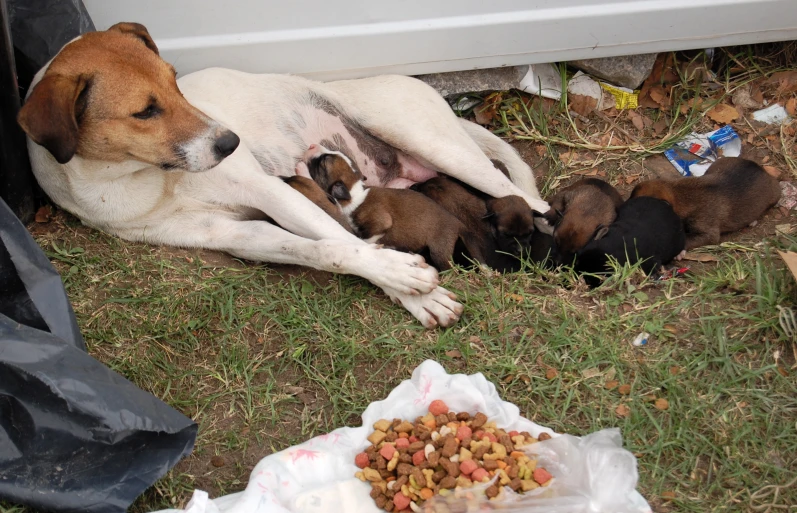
(401, 272)
(437, 308)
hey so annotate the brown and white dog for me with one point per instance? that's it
(732, 194)
(115, 139)
(397, 218)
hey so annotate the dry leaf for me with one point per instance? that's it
(700, 257)
(581, 104)
(551, 373)
(791, 106)
(668, 495)
(675, 370)
(485, 115)
(723, 113)
(518, 298)
(636, 119)
(671, 328)
(742, 98)
(623, 410)
(659, 126)
(292, 390)
(624, 389)
(474, 339)
(43, 214)
(454, 353)
(661, 404)
(659, 95)
(591, 373)
(786, 80)
(611, 385)
(783, 229)
(772, 171)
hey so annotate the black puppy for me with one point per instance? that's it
(646, 229)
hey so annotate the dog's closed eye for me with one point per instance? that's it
(149, 112)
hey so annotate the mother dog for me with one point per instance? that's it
(113, 140)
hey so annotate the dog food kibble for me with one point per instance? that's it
(408, 463)
(438, 407)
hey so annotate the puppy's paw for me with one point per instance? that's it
(402, 272)
(542, 224)
(437, 308)
(680, 256)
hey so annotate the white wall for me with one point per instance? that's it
(352, 38)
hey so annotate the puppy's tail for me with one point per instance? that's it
(496, 149)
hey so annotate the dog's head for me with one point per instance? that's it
(333, 172)
(655, 189)
(582, 212)
(513, 223)
(109, 96)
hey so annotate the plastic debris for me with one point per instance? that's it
(641, 339)
(668, 274)
(788, 195)
(774, 114)
(543, 80)
(584, 85)
(624, 98)
(693, 155)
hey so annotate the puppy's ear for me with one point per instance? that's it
(138, 30)
(339, 191)
(601, 233)
(50, 115)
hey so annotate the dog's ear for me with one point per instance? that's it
(50, 115)
(601, 233)
(138, 30)
(339, 191)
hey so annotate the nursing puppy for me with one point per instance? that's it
(646, 230)
(502, 228)
(580, 213)
(733, 193)
(314, 193)
(396, 218)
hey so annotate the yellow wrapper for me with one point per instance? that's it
(623, 98)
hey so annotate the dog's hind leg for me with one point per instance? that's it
(496, 149)
(411, 116)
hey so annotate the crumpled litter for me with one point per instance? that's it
(788, 195)
(775, 114)
(694, 155)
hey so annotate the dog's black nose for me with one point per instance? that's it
(226, 144)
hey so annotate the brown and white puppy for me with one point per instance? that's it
(396, 218)
(314, 193)
(733, 193)
(582, 212)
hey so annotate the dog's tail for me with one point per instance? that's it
(496, 149)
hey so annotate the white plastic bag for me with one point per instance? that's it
(592, 474)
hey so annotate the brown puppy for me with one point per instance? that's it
(314, 193)
(582, 212)
(397, 218)
(503, 228)
(733, 193)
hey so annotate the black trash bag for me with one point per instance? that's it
(74, 435)
(39, 28)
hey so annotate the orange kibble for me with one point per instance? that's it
(426, 494)
(517, 454)
(391, 478)
(403, 435)
(431, 424)
(500, 464)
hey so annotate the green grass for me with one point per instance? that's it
(262, 362)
